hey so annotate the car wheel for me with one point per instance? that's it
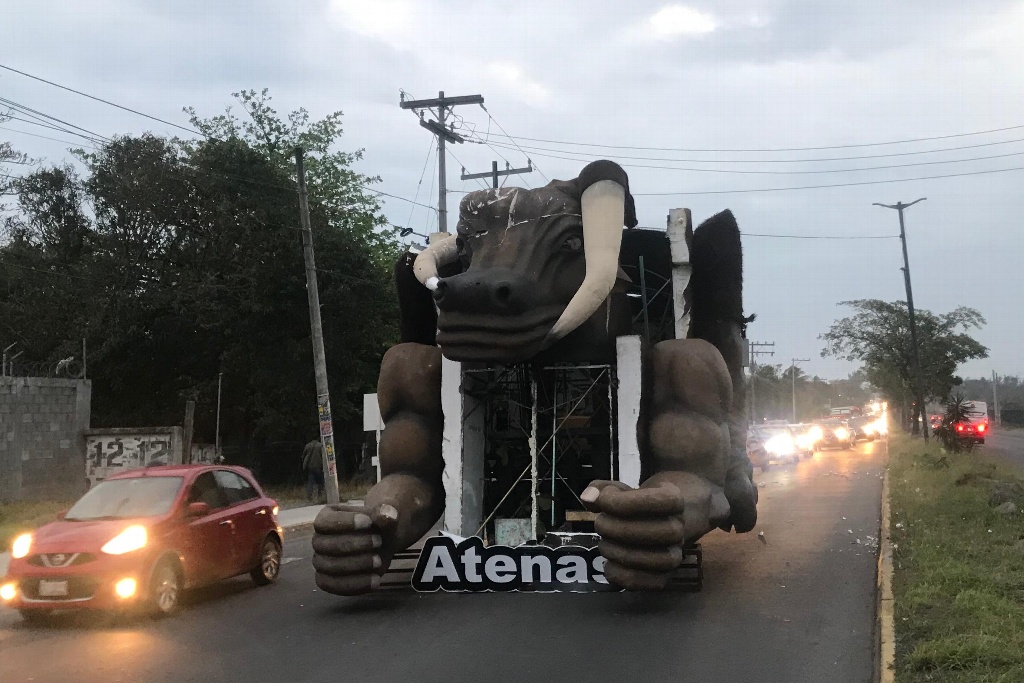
(36, 617)
(270, 563)
(165, 589)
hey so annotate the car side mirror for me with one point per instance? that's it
(198, 509)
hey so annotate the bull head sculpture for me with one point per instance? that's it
(536, 265)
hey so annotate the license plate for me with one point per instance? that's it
(53, 589)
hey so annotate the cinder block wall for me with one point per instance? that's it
(42, 448)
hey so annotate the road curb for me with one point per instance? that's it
(886, 639)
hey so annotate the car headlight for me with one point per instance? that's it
(132, 538)
(815, 434)
(780, 444)
(842, 433)
(869, 429)
(22, 544)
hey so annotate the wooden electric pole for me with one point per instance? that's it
(793, 377)
(323, 394)
(444, 134)
(918, 375)
(494, 172)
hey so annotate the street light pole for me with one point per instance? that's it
(918, 375)
(793, 374)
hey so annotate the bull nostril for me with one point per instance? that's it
(503, 294)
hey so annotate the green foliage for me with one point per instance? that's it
(878, 335)
(957, 412)
(181, 259)
(957, 582)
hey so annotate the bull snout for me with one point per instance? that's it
(492, 291)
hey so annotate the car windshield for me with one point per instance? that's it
(127, 498)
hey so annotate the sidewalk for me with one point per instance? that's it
(288, 519)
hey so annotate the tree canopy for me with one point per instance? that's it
(177, 260)
(878, 335)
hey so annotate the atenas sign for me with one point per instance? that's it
(466, 565)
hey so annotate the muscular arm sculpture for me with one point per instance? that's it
(532, 275)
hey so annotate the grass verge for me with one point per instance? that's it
(19, 516)
(959, 566)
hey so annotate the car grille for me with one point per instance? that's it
(59, 560)
(79, 588)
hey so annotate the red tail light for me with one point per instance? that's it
(959, 428)
(982, 427)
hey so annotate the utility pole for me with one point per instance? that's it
(494, 172)
(444, 134)
(919, 378)
(323, 394)
(995, 399)
(190, 414)
(793, 377)
(754, 353)
(3, 363)
(216, 441)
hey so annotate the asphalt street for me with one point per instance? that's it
(1006, 443)
(796, 607)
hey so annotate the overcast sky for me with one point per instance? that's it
(723, 75)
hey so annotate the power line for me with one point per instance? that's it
(825, 237)
(502, 129)
(36, 114)
(768, 149)
(731, 171)
(596, 155)
(99, 99)
(430, 151)
(44, 137)
(816, 187)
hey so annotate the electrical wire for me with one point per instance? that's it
(730, 171)
(824, 237)
(542, 174)
(595, 155)
(817, 187)
(480, 181)
(44, 137)
(767, 149)
(412, 208)
(99, 99)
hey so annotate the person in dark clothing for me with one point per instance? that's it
(313, 466)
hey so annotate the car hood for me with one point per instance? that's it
(84, 536)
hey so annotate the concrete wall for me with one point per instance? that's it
(42, 448)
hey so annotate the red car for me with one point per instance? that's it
(140, 538)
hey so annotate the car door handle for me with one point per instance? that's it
(261, 512)
(228, 522)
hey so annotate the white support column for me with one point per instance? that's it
(373, 423)
(628, 362)
(680, 230)
(462, 447)
(451, 445)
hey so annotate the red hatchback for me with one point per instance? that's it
(140, 538)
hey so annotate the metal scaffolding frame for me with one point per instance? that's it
(560, 420)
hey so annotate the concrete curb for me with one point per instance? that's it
(886, 638)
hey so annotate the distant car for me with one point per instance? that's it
(834, 434)
(862, 428)
(803, 438)
(771, 443)
(976, 428)
(140, 538)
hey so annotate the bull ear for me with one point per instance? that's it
(438, 254)
(603, 207)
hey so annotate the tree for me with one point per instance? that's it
(179, 260)
(878, 335)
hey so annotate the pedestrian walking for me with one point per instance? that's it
(313, 466)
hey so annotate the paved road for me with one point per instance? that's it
(799, 608)
(1006, 443)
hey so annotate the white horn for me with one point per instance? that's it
(438, 254)
(603, 207)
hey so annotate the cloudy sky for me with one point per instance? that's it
(664, 87)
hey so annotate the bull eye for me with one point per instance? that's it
(573, 244)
